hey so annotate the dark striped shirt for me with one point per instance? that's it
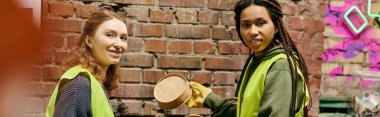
(74, 99)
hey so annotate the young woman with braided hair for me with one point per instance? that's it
(274, 80)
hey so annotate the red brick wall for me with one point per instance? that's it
(196, 38)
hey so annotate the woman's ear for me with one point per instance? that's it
(88, 41)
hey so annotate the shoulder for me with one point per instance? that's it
(79, 83)
(280, 64)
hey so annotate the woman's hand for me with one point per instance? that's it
(198, 96)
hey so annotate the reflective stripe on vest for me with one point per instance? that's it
(248, 106)
(100, 106)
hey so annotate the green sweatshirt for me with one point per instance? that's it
(276, 97)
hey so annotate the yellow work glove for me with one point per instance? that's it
(198, 96)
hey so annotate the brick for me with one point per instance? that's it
(72, 41)
(147, 91)
(133, 107)
(228, 47)
(85, 11)
(155, 45)
(185, 62)
(220, 33)
(33, 88)
(222, 5)
(46, 89)
(59, 57)
(304, 9)
(182, 3)
(328, 67)
(322, 9)
(89, 0)
(316, 83)
(287, 9)
(51, 74)
(130, 75)
(152, 76)
(161, 16)
(296, 36)
(208, 17)
(359, 58)
(63, 9)
(64, 25)
(141, 2)
(150, 108)
(234, 34)
(137, 60)
(187, 31)
(130, 27)
(34, 74)
(203, 47)
(329, 32)
(225, 78)
(53, 41)
(350, 69)
(187, 16)
(135, 45)
(44, 57)
(244, 49)
(31, 105)
(180, 72)
(224, 63)
(295, 23)
(200, 111)
(201, 77)
(313, 26)
(133, 91)
(181, 110)
(228, 18)
(140, 13)
(149, 30)
(45, 9)
(224, 91)
(45, 101)
(180, 46)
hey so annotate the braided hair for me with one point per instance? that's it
(284, 38)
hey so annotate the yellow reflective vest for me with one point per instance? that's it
(100, 106)
(248, 105)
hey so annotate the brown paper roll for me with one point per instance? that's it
(172, 91)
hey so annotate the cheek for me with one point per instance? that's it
(243, 35)
(125, 45)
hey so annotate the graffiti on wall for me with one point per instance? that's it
(352, 22)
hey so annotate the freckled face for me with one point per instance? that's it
(257, 29)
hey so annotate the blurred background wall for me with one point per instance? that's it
(350, 52)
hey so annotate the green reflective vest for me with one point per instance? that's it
(100, 106)
(248, 106)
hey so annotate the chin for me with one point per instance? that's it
(115, 62)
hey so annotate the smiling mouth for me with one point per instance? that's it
(257, 40)
(115, 53)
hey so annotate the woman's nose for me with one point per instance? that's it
(117, 44)
(253, 31)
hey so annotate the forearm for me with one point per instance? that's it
(220, 106)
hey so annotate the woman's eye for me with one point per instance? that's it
(123, 38)
(260, 23)
(245, 25)
(108, 34)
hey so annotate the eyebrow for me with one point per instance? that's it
(107, 30)
(247, 20)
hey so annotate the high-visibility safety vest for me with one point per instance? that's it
(100, 106)
(248, 106)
